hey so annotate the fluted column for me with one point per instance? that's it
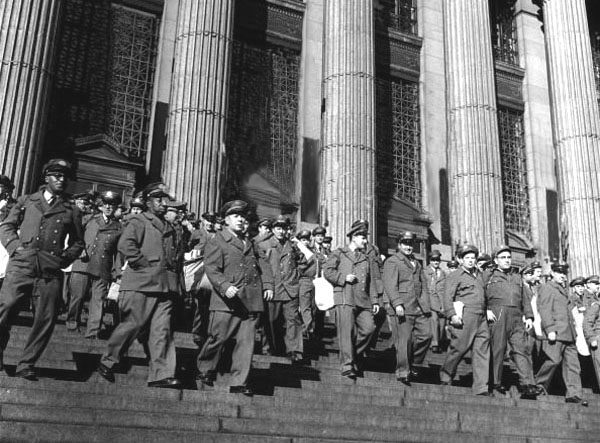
(27, 42)
(576, 127)
(473, 144)
(348, 145)
(197, 118)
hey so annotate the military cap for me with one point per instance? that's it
(265, 221)
(209, 216)
(560, 268)
(175, 205)
(57, 165)
(234, 207)
(327, 239)
(593, 279)
(435, 254)
(85, 196)
(577, 281)
(500, 249)
(452, 264)
(304, 233)
(468, 249)
(405, 237)
(527, 270)
(281, 220)
(155, 190)
(221, 220)
(6, 182)
(484, 257)
(360, 222)
(359, 229)
(319, 230)
(111, 198)
(137, 202)
(536, 265)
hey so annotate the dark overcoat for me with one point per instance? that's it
(405, 285)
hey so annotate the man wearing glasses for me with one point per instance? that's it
(34, 234)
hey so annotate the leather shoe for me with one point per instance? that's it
(27, 374)
(296, 358)
(445, 383)
(500, 389)
(539, 390)
(170, 382)
(414, 374)
(242, 389)
(577, 400)
(349, 373)
(106, 372)
(207, 379)
(486, 394)
(404, 380)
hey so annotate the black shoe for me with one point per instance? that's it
(349, 373)
(27, 374)
(404, 380)
(486, 394)
(500, 389)
(207, 379)
(414, 374)
(445, 383)
(106, 373)
(242, 389)
(296, 358)
(577, 400)
(539, 390)
(170, 382)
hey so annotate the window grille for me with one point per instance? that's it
(263, 116)
(398, 14)
(504, 31)
(133, 57)
(399, 140)
(514, 171)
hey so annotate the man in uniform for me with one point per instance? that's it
(137, 205)
(591, 324)
(507, 305)
(149, 285)
(351, 272)
(555, 308)
(408, 308)
(264, 230)
(321, 252)
(452, 265)
(234, 268)
(95, 269)
(283, 257)
(34, 234)
(436, 279)
(6, 204)
(484, 261)
(465, 287)
(592, 289)
(531, 275)
(307, 267)
(327, 244)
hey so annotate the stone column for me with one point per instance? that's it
(576, 128)
(28, 32)
(348, 143)
(194, 153)
(476, 206)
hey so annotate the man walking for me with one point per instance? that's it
(436, 280)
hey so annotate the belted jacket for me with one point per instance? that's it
(41, 230)
(362, 293)
(405, 285)
(506, 289)
(149, 245)
(466, 287)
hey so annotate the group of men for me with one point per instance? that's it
(238, 285)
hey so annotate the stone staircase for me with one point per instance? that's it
(292, 404)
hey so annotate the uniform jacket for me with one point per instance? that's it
(101, 240)
(284, 268)
(591, 323)
(230, 262)
(372, 252)
(531, 296)
(405, 285)
(465, 287)
(436, 285)
(42, 230)
(307, 267)
(149, 245)
(321, 256)
(555, 306)
(506, 289)
(342, 262)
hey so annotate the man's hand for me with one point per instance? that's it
(491, 317)
(399, 311)
(528, 324)
(552, 337)
(456, 321)
(268, 294)
(351, 278)
(231, 292)
(375, 309)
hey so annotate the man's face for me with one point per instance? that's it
(171, 216)
(327, 246)
(469, 260)
(435, 263)
(156, 205)
(559, 277)
(305, 241)
(246, 225)
(279, 232)
(481, 264)
(529, 278)
(57, 182)
(263, 230)
(208, 225)
(236, 222)
(593, 287)
(318, 238)
(107, 209)
(406, 247)
(360, 241)
(136, 210)
(537, 273)
(504, 260)
(578, 289)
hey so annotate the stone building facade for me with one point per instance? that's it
(461, 120)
